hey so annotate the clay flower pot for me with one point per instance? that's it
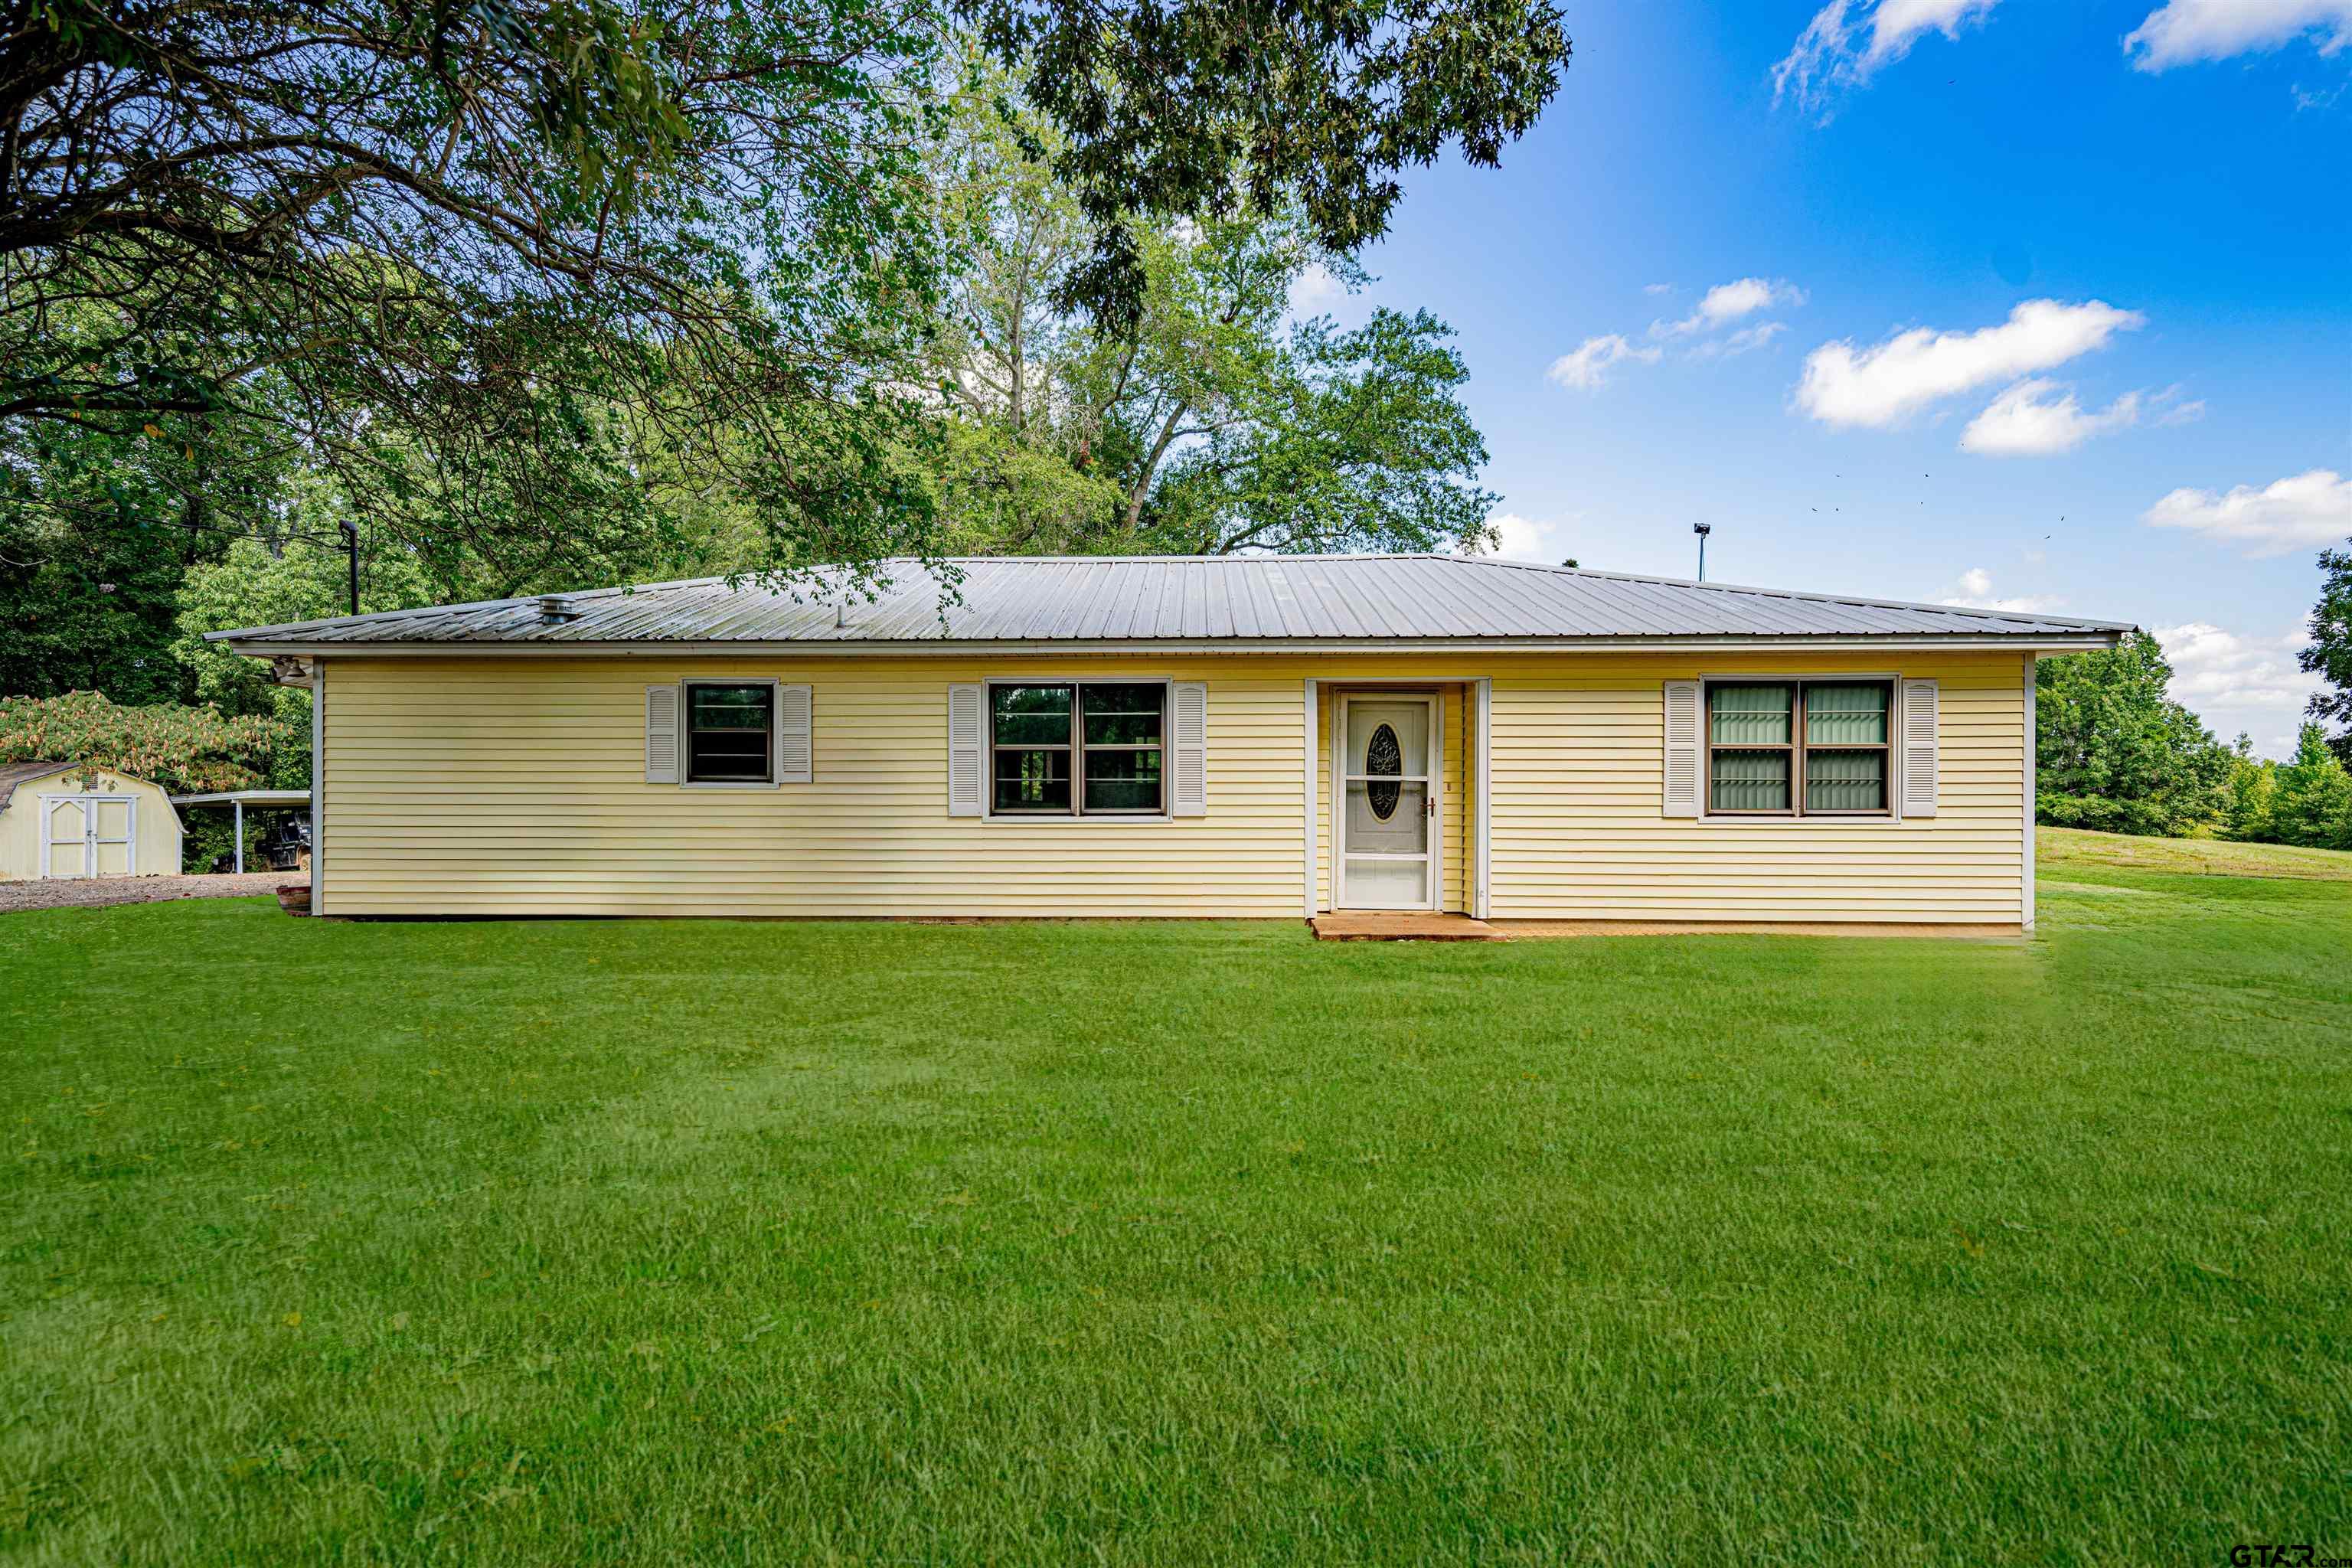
(294, 899)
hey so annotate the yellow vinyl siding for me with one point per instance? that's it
(516, 786)
(1578, 778)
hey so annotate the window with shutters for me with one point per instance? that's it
(1799, 748)
(1077, 749)
(731, 732)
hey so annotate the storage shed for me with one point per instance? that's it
(62, 819)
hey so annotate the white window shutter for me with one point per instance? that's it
(1919, 704)
(795, 735)
(967, 718)
(661, 734)
(1682, 748)
(1189, 776)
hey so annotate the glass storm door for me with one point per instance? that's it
(1387, 803)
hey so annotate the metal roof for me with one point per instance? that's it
(1252, 600)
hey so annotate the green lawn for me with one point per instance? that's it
(781, 1243)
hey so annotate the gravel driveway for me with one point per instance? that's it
(59, 892)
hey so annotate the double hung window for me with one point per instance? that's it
(1077, 749)
(1799, 748)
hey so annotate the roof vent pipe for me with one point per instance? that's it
(555, 609)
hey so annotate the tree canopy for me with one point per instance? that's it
(190, 750)
(1210, 420)
(2329, 657)
(2115, 752)
(531, 277)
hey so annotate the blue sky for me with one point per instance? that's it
(2002, 301)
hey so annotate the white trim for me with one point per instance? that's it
(1482, 798)
(1892, 816)
(317, 784)
(2033, 766)
(1307, 826)
(48, 805)
(1229, 647)
(1432, 781)
(90, 801)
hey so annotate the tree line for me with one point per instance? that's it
(2116, 754)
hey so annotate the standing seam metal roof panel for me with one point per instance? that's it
(1424, 598)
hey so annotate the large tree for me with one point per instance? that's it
(515, 261)
(2329, 657)
(1208, 419)
(2115, 750)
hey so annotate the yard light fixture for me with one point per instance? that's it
(1702, 530)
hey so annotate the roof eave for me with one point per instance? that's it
(2069, 640)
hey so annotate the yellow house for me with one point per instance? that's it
(61, 819)
(1236, 737)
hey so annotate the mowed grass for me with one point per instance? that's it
(638, 1243)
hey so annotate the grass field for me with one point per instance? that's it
(781, 1243)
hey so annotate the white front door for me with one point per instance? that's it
(88, 835)
(1385, 787)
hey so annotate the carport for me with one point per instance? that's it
(236, 800)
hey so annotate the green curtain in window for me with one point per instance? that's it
(1750, 781)
(1846, 715)
(1749, 715)
(1845, 781)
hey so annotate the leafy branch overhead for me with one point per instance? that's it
(530, 278)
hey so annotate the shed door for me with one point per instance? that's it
(88, 835)
(113, 823)
(1388, 803)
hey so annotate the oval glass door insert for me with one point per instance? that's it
(1382, 755)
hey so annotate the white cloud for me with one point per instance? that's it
(2317, 98)
(1727, 303)
(1878, 387)
(1587, 368)
(2026, 422)
(2299, 513)
(1848, 40)
(2238, 683)
(1657, 287)
(2172, 411)
(1525, 539)
(1314, 289)
(2185, 31)
(1740, 342)
(1976, 593)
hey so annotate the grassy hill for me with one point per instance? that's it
(2061, 846)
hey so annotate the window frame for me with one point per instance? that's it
(1076, 748)
(1799, 745)
(686, 779)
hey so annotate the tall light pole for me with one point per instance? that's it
(352, 543)
(1702, 530)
